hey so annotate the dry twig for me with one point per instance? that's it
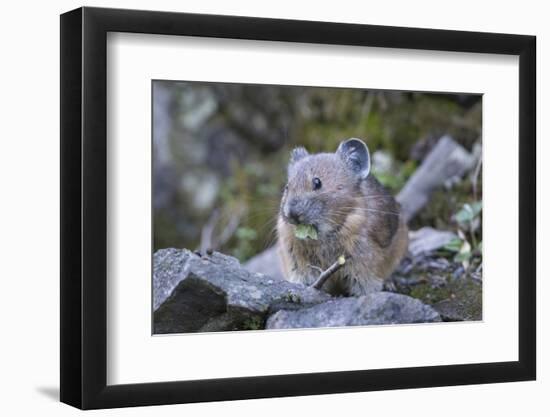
(328, 272)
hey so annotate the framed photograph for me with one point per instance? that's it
(257, 208)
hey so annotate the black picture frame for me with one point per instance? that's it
(84, 207)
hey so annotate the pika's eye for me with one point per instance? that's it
(316, 183)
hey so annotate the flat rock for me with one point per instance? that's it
(427, 240)
(214, 292)
(376, 308)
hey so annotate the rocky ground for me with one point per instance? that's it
(456, 294)
(213, 292)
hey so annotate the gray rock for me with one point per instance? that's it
(266, 262)
(427, 240)
(376, 308)
(214, 293)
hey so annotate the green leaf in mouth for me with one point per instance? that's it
(304, 231)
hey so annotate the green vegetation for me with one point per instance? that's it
(253, 323)
(305, 231)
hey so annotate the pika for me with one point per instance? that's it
(353, 215)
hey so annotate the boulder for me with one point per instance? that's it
(213, 292)
(376, 308)
(427, 240)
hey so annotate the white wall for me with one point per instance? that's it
(29, 174)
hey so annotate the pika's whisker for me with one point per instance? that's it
(395, 213)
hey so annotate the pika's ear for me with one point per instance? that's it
(355, 154)
(297, 154)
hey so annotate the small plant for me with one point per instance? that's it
(466, 245)
(253, 323)
(304, 231)
(293, 298)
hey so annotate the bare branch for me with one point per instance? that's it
(320, 270)
(207, 231)
(328, 272)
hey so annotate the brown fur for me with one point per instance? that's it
(354, 217)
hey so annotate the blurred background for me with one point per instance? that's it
(220, 153)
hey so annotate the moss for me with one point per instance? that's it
(430, 294)
(253, 323)
(459, 299)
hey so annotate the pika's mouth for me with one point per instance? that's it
(306, 231)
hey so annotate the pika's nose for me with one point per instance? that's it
(295, 213)
(295, 217)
